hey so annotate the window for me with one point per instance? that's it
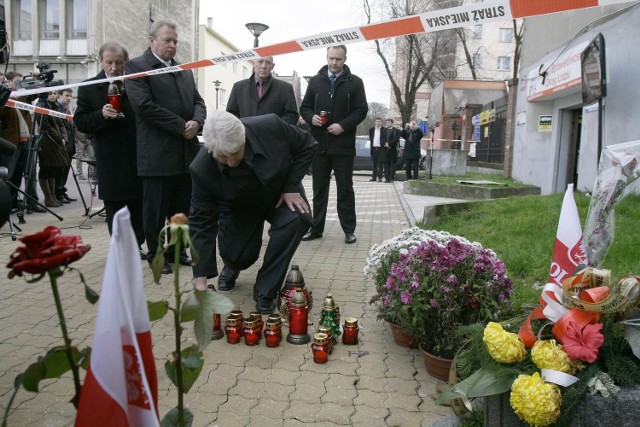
(477, 32)
(244, 72)
(234, 67)
(222, 98)
(477, 60)
(504, 63)
(22, 19)
(506, 35)
(224, 64)
(77, 13)
(49, 19)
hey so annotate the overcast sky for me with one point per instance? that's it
(290, 19)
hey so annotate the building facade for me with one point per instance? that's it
(67, 34)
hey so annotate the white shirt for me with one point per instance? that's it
(376, 137)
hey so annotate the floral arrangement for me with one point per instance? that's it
(49, 253)
(549, 366)
(436, 285)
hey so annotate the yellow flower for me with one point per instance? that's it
(549, 355)
(535, 401)
(503, 346)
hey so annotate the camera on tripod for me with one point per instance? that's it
(43, 79)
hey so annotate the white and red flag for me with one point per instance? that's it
(568, 252)
(121, 387)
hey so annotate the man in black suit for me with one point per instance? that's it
(114, 140)
(169, 112)
(263, 94)
(390, 151)
(249, 172)
(259, 94)
(377, 135)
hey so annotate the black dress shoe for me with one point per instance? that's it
(166, 269)
(349, 238)
(185, 260)
(372, 180)
(311, 235)
(227, 279)
(36, 208)
(265, 305)
(67, 198)
(143, 255)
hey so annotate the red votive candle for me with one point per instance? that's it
(233, 330)
(350, 331)
(273, 333)
(298, 320)
(251, 332)
(320, 348)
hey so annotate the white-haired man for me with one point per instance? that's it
(249, 172)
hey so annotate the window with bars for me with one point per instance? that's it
(222, 98)
(22, 16)
(477, 60)
(77, 16)
(504, 63)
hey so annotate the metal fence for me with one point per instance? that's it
(490, 149)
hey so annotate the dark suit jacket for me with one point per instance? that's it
(163, 103)
(392, 137)
(278, 99)
(412, 143)
(383, 136)
(281, 157)
(114, 142)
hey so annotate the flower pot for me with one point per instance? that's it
(436, 366)
(401, 337)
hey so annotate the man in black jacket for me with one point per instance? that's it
(169, 112)
(412, 136)
(377, 135)
(249, 172)
(390, 150)
(262, 94)
(114, 140)
(339, 94)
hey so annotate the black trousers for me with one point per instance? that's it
(163, 196)
(285, 234)
(135, 210)
(376, 153)
(390, 171)
(412, 165)
(322, 166)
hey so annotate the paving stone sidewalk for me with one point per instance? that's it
(375, 383)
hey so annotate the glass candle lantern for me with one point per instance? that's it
(233, 330)
(276, 318)
(350, 331)
(327, 331)
(273, 333)
(320, 348)
(258, 318)
(236, 313)
(298, 319)
(251, 332)
(216, 332)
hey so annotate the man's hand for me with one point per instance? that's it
(316, 120)
(295, 202)
(108, 112)
(335, 129)
(190, 129)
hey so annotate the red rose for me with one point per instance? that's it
(45, 251)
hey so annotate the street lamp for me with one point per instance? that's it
(256, 29)
(217, 84)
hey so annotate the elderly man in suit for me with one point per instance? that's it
(249, 172)
(263, 94)
(114, 138)
(169, 112)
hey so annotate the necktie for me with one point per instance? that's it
(260, 89)
(332, 77)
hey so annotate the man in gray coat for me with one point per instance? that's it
(262, 94)
(169, 112)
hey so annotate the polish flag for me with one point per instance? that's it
(121, 387)
(568, 252)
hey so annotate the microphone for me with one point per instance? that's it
(6, 147)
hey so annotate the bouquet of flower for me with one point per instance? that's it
(584, 351)
(438, 284)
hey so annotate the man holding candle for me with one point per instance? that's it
(249, 172)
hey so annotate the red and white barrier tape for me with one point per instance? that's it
(436, 20)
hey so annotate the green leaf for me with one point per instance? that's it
(192, 363)
(157, 310)
(170, 370)
(158, 264)
(52, 365)
(209, 302)
(91, 295)
(481, 383)
(189, 310)
(32, 376)
(85, 356)
(171, 418)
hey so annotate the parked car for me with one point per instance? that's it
(363, 155)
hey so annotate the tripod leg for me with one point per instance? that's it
(84, 203)
(35, 201)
